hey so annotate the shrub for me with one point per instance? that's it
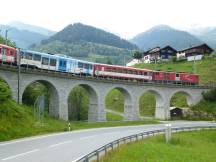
(210, 95)
(5, 92)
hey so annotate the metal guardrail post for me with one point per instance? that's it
(97, 154)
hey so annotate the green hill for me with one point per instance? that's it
(79, 32)
(88, 43)
(88, 51)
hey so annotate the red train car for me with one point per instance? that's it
(7, 54)
(175, 77)
(121, 72)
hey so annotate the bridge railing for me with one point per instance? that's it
(113, 80)
(96, 154)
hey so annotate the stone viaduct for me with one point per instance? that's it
(61, 84)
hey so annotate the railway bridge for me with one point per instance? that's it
(61, 84)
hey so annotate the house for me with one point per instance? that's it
(159, 54)
(194, 53)
(152, 55)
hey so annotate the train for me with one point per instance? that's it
(64, 63)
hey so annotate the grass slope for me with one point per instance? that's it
(17, 121)
(185, 147)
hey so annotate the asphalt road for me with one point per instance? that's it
(69, 146)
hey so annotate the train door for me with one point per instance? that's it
(62, 64)
(177, 78)
(1, 53)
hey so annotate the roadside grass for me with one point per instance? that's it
(17, 121)
(197, 146)
(113, 117)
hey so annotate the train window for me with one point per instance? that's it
(90, 66)
(4, 51)
(130, 71)
(119, 70)
(157, 73)
(86, 66)
(45, 61)
(140, 73)
(52, 62)
(114, 69)
(145, 73)
(177, 75)
(0, 50)
(135, 72)
(29, 56)
(11, 52)
(125, 71)
(108, 69)
(80, 65)
(37, 57)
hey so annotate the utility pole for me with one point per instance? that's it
(194, 65)
(6, 32)
(18, 62)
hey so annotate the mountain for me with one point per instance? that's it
(22, 38)
(163, 35)
(88, 43)
(207, 35)
(79, 32)
(31, 28)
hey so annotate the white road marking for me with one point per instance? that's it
(61, 143)
(18, 155)
(83, 138)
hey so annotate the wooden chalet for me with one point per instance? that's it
(197, 50)
(158, 53)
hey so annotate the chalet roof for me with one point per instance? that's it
(204, 45)
(158, 49)
(169, 47)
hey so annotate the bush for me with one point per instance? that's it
(5, 92)
(210, 95)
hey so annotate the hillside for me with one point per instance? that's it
(22, 38)
(79, 32)
(88, 43)
(31, 28)
(88, 51)
(163, 35)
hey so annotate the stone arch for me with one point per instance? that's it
(53, 96)
(160, 102)
(189, 97)
(93, 101)
(128, 104)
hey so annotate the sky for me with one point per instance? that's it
(125, 18)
